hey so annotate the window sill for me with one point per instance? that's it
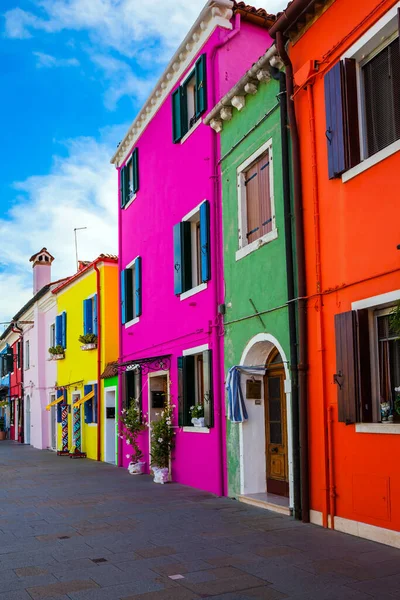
(383, 428)
(193, 291)
(133, 322)
(131, 201)
(371, 161)
(191, 130)
(191, 429)
(265, 239)
(91, 424)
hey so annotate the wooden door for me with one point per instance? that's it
(276, 431)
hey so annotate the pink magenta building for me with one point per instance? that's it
(170, 247)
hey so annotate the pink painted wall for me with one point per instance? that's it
(174, 179)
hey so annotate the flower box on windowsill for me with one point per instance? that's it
(92, 346)
(57, 357)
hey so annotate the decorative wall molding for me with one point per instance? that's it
(260, 72)
(216, 13)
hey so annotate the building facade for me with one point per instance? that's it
(170, 243)
(85, 339)
(4, 386)
(347, 103)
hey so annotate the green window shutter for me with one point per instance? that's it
(201, 85)
(208, 389)
(189, 393)
(135, 162)
(176, 116)
(122, 186)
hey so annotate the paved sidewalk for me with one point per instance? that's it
(80, 530)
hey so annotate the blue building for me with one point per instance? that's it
(5, 386)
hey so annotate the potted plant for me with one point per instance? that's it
(89, 341)
(133, 423)
(2, 429)
(197, 414)
(162, 444)
(57, 352)
(394, 319)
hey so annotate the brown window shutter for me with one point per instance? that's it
(353, 370)
(352, 136)
(252, 204)
(264, 167)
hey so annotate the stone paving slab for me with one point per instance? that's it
(82, 530)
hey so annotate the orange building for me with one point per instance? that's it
(345, 61)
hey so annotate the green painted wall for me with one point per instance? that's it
(113, 382)
(261, 275)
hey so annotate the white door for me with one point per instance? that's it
(109, 426)
(53, 425)
(27, 420)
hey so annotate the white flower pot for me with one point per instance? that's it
(58, 356)
(198, 422)
(160, 475)
(136, 468)
(89, 346)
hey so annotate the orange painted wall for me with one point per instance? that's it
(359, 225)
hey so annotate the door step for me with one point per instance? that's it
(274, 503)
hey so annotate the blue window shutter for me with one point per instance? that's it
(335, 121)
(59, 338)
(64, 329)
(95, 326)
(138, 286)
(177, 116)
(88, 316)
(94, 403)
(178, 266)
(122, 184)
(208, 389)
(205, 241)
(88, 404)
(123, 298)
(201, 86)
(135, 163)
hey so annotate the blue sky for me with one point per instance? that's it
(74, 74)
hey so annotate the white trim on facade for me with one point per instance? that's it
(371, 161)
(189, 429)
(377, 301)
(244, 247)
(132, 322)
(131, 201)
(193, 291)
(216, 13)
(382, 428)
(196, 350)
(191, 130)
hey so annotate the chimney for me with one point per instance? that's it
(41, 265)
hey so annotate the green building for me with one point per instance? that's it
(255, 177)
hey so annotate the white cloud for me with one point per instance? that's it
(47, 61)
(80, 191)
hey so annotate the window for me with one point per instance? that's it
(192, 250)
(90, 406)
(189, 101)
(129, 182)
(362, 101)
(3, 362)
(27, 356)
(367, 366)
(131, 292)
(61, 330)
(133, 387)
(52, 335)
(19, 349)
(195, 386)
(90, 315)
(256, 201)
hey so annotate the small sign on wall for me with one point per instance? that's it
(253, 389)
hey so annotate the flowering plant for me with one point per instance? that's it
(132, 421)
(394, 319)
(162, 438)
(197, 411)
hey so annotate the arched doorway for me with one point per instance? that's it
(266, 465)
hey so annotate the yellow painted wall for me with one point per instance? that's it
(80, 367)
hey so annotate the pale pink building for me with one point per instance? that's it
(170, 242)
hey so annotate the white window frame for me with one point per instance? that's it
(377, 306)
(244, 247)
(135, 319)
(371, 43)
(52, 335)
(197, 350)
(27, 356)
(194, 217)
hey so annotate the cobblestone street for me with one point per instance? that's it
(80, 530)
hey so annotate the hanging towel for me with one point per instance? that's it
(237, 412)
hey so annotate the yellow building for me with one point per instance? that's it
(85, 340)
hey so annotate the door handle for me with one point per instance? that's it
(274, 449)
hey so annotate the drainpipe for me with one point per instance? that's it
(290, 278)
(301, 281)
(99, 350)
(218, 273)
